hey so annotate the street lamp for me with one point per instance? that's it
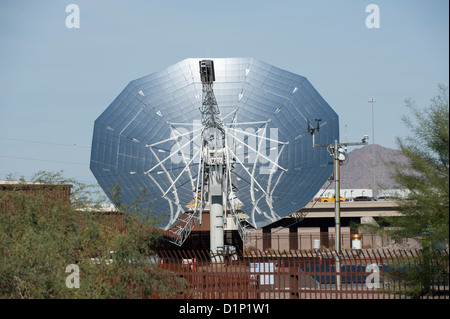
(372, 100)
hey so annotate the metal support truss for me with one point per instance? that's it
(214, 189)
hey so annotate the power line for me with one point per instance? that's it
(42, 160)
(41, 120)
(40, 142)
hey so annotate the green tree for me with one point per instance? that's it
(425, 175)
(41, 235)
(426, 172)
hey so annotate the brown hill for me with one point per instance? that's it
(357, 171)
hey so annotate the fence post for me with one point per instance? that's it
(294, 286)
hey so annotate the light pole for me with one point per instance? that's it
(372, 100)
(338, 151)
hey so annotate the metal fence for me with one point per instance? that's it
(298, 241)
(364, 274)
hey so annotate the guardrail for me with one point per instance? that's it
(298, 241)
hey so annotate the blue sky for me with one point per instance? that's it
(55, 81)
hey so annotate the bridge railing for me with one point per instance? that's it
(299, 241)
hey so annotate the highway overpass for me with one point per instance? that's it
(350, 209)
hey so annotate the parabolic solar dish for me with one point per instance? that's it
(149, 138)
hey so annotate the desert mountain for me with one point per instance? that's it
(357, 171)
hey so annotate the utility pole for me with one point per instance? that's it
(338, 151)
(372, 100)
(337, 196)
(337, 214)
